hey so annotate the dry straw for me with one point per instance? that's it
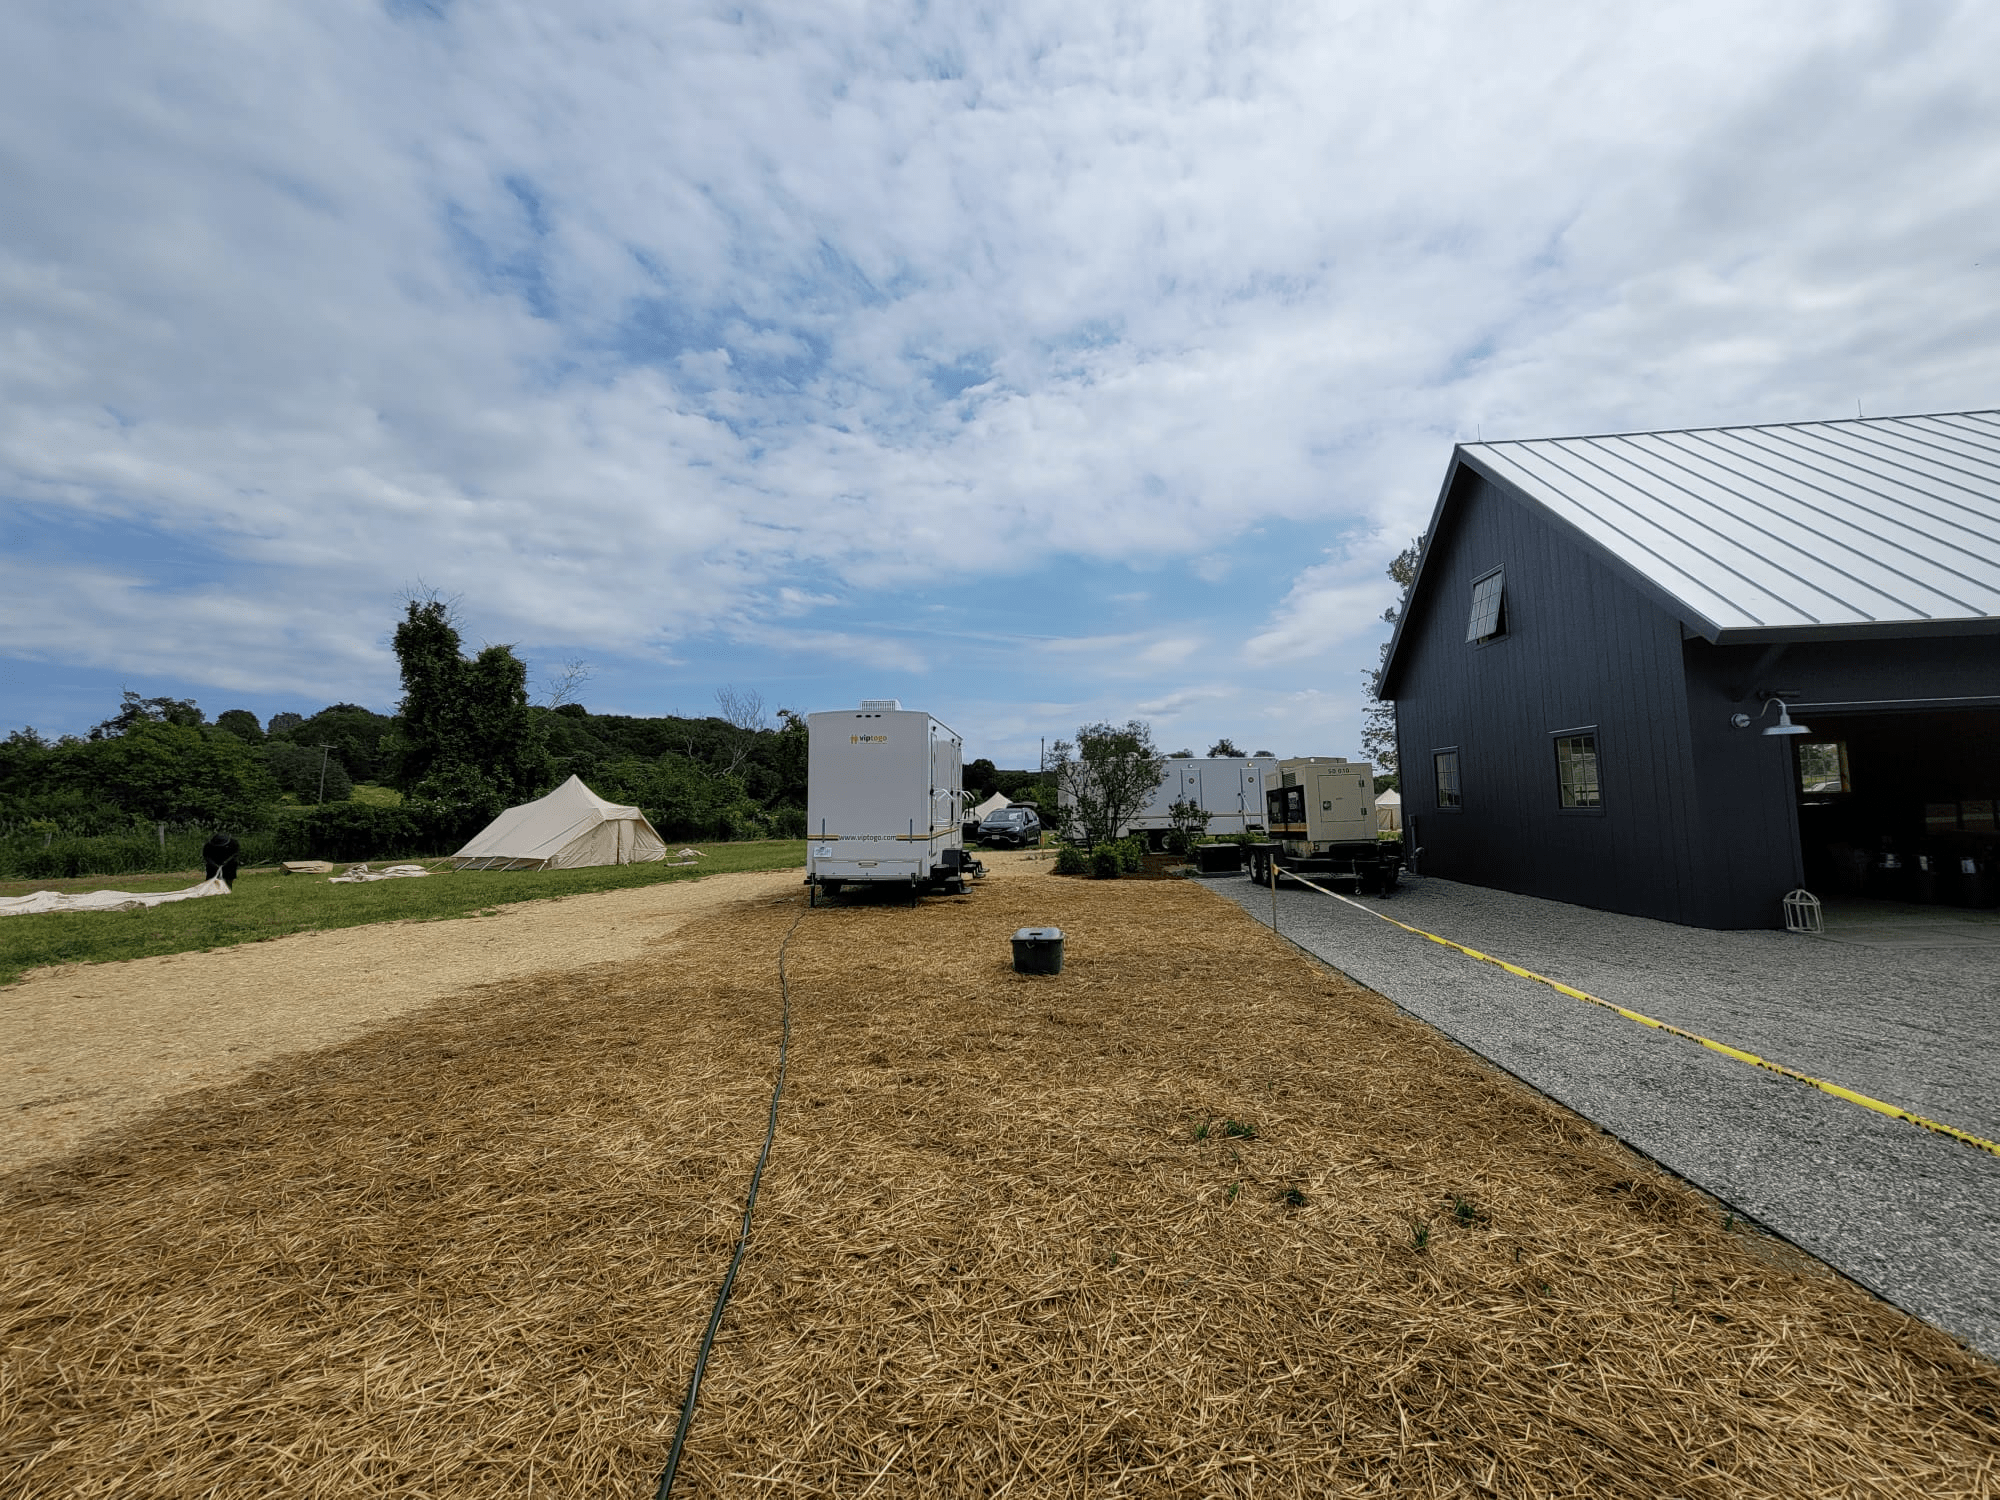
(1195, 1217)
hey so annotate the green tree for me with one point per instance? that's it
(1378, 720)
(787, 757)
(241, 723)
(356, 734)
(982, 778)
(1190, 824)
(136, 710)
(680, 798)
(1225, 747)
(311, 773)
(1104, 778)
(174, 773)
(465, 744)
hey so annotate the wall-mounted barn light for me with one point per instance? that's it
(1783, 726)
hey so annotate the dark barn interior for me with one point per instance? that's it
(1900, 806)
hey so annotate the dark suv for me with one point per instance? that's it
(1012, 825)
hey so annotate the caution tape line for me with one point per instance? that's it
(1852, 1096)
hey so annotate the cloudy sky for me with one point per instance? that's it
(1033, 363)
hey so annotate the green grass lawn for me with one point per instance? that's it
(268, 905)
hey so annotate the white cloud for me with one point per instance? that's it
(634, 322)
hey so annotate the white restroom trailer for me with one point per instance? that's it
(1231, 789)
(883, 799)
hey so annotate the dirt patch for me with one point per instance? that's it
(88, 1046)
(1196, 1217)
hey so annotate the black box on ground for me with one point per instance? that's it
(1038, 950)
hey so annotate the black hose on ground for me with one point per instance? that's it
(743, 1233)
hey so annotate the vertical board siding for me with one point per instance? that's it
(1582, 647)
(1700, 822)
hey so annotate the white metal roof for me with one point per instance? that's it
(1807, 527)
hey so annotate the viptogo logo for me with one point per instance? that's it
(868, 739)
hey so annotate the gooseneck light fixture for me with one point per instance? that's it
(1783, 726)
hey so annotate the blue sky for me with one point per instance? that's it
(1033, 364)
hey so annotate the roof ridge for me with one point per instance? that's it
(1589, 437)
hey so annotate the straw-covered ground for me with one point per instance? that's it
(1196, 1217)
(85, 1047)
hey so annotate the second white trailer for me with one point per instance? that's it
(1230, 789)
(883, 803)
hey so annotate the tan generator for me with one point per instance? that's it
(1321, 819)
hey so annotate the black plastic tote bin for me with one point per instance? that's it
(1218, 859)
(1038, 950)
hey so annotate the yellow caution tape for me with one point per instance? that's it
(1852, 1096)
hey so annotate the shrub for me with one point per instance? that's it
(55, 853)
(1106, 862)
(1072, 860)
(352, 831)
(1131, 856)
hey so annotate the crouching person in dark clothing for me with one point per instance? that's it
(219, 856)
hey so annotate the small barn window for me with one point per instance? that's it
(1445, 763)
(1823, 767)
(1489, 608)
(1576, 770)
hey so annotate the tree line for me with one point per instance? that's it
(464, 743)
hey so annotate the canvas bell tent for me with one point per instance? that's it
(566, 830)
(992, 804)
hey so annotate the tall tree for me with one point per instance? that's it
(465, 744)
(241, 723)
(1378, 720)
(1104, 777)
(136, 710)
(743, 711)
(1225, 747)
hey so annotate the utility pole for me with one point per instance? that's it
(324, 751)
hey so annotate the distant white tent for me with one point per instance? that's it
(1389, 812)
(570, 828)
(992, 804)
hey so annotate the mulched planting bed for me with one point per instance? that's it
(1195, 1217)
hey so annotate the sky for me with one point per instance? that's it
(1036, 364)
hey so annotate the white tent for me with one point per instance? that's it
(569, 828)
(1389, 812)
(992, 804)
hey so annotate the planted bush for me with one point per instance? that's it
(1071, 859)
(1107, 862)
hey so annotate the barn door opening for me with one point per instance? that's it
(1900, 806)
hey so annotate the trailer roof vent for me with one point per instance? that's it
(882, 705)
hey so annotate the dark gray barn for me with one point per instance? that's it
(1592, 617)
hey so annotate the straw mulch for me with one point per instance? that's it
(996, 1252)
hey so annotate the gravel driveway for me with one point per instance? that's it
(1911, 1214)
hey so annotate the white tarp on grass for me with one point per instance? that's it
(40, 901)
(570, 828)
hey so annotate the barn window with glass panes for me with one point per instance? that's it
(1445, 764)
(1576, 771)
(1489, 612)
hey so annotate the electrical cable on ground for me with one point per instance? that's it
(1852, 1096)
(666, 1487)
